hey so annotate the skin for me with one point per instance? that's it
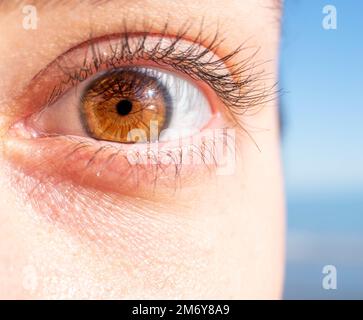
(216, 236)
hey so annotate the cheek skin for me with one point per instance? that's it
(86, 244)
(143, 250)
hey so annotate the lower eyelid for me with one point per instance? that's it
(104, 167)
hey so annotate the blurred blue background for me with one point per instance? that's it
(322, 77)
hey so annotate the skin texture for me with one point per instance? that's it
(215, 236)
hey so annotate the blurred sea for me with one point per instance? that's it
(324, 228)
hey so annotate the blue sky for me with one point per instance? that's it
(322, 77)
(322, 74)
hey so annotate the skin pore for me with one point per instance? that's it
(69, 233)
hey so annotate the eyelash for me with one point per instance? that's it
(237, 84)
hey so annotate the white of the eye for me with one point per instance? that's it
(191, 110)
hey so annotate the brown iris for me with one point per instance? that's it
(125, 105)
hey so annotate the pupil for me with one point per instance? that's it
(124, 107)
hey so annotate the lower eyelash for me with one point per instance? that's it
(117, 170)
(150, 159)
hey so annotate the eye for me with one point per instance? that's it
(92, 114)
(128, 105)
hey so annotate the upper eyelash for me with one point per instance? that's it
(239, 85)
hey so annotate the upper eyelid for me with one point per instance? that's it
(63, 61)
(236, 83)
(123, 52)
